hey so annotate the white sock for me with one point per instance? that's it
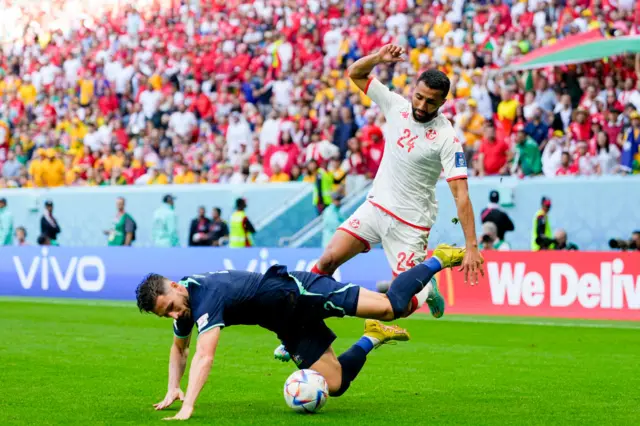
(376, 342)
(423, 294)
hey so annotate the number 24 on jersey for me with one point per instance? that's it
(407, 140)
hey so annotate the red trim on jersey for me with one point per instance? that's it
(457, 177)
(357, 237)
(366, 88)
(399, 219)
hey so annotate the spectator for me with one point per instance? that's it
(607, 155)
(218, 230)
(560, 241)
(53, 170)
(537, 129)
(199, 230)
(489, 238)
(11, 167)
(495, 214)
(123, 231)
(322, 186)
(542, 234)
(345, 129)
(332, 218)
(586, 163)
(552, 154)
(21, 236)
(43, 240)
(277, 175)
(472, 124)
(631, 149)
(165, 224)
(241, 230)
(563, 113)
(567, 168)
(182, 122)
(49, 226)
(528, 161)
(493, 154)
(37, 167)
(6, 224)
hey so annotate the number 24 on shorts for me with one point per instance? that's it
(405, 261)
(407, 139)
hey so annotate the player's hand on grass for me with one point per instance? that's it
(170, 398)
(391, 53)
(472, 265)
(184, 413)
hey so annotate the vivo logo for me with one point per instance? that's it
(62, 275)
(261, 265)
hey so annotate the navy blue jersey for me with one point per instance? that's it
(225, 298)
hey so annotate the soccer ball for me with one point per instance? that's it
(306, 391)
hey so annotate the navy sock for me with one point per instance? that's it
(409, 283)
(352, 361)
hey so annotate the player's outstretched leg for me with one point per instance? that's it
(353, 359)
(342, 247)
(412, 282)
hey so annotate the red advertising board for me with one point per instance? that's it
(588, 285)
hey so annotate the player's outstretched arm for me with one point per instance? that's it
(472, 263)
(359, 71)
(177, 364)
(200, 369)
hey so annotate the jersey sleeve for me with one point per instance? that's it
(381, 95)
(453, 161)
(182, 327)
(210, 312)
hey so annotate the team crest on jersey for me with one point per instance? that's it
(202, 321)
(431, 134)
(405, 114)
(456, 140)
(354, 223)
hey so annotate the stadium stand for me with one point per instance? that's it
(121, 93)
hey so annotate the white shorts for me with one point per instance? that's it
(404, 245)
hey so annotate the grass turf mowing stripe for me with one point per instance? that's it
(480, 319)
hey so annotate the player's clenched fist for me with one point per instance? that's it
(170, 398)
(391, 53)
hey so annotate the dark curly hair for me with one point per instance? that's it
(147, 292)
(436, 80)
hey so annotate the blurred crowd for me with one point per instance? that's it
(228, 91)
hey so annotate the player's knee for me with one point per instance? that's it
(386, 310)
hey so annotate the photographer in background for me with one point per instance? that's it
(490, 240)
(624, 245)
(493, 213)
(560, 241)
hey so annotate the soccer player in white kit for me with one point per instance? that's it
(401, 207)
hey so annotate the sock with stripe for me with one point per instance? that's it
(407, 285)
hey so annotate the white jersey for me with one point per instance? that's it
(414, 156)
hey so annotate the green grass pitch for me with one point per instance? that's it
(104, 363)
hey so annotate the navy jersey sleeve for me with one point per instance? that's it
(208, 301)
(182, 327)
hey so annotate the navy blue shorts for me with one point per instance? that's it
(306, 337)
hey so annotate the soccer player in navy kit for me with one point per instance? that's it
(293, 305)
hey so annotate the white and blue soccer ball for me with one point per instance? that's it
(306, 391)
